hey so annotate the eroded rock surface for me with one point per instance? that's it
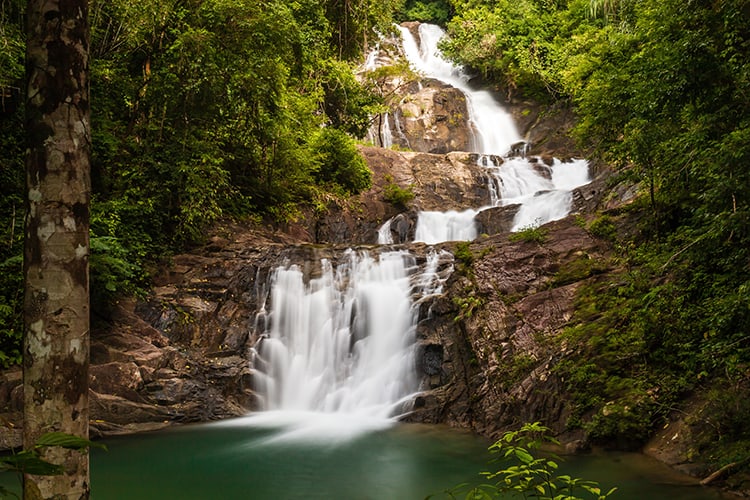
(494, 325)
(450, 181)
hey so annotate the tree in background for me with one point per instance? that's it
(56, 304)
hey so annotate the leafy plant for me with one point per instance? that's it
(523, 474)
(395, 194)
(341, 162)
(467, 305)
(530, 234)
(603, 227)
(427, 11)
(31, 462)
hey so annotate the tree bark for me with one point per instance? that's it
(56, 302)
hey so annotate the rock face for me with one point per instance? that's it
(492, 330)
(450, 181)
(431, 118)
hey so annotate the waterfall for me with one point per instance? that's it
(510, 180)
(435, 227)
(384, 233)
(494, 126)
(542, 198)
(343, 342)
(386, 138)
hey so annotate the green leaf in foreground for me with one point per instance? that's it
(66, 441)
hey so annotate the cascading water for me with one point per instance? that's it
(386, 138)
(434, 227)
(542, 198)
(494, 129)
(343, 343)
(512, 180)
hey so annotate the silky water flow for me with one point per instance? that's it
(542, 196)
(342, 343)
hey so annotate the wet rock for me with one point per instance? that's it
(117, 378)
(497, 365)
(496, 220)
(450, 181)
(432, 119)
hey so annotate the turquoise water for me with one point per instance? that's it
(252, 459)
(249, 462)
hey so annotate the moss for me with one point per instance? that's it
(395, 194)
(514, 369)
(530, 234)
(468, 303)
(577, 270)
(603, 228)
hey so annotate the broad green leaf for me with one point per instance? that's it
(524, 456)
(65, 440)
(29, 462)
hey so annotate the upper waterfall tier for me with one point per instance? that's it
(492, 125)
(541, 191)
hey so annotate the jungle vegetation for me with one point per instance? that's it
(660, 89)
(204, 109)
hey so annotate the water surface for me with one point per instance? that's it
(254, 459)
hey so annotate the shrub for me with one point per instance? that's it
(340, 161)
(530, 234)
(526, 475)
(395, 194)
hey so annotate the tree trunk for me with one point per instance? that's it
(56, 305)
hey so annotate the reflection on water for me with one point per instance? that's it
(251, 459)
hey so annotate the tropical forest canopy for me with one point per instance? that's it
(234, 108)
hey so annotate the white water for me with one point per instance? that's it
(386, 138)
(494, 127)
(543, 198)
(435, 227)
(337, 356)
(514, 180)
(343, 343)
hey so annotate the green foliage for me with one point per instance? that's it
(722, 427)
(603, 227)
(341, 162)
(464, 259)
(527, 476)
(218, 109)
(467, 304)
(427, 11)
(511, 42)
(395, 194)
(31, 461)
(530, 234)
(12, 42)
(201, 110)
(577, 270)
(12, 182)
(513, 369)
(660, 91)
(11, 310)
(348, 104)
(353, 22)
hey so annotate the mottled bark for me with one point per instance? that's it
(56, 340)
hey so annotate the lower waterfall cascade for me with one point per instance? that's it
(344, 341)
